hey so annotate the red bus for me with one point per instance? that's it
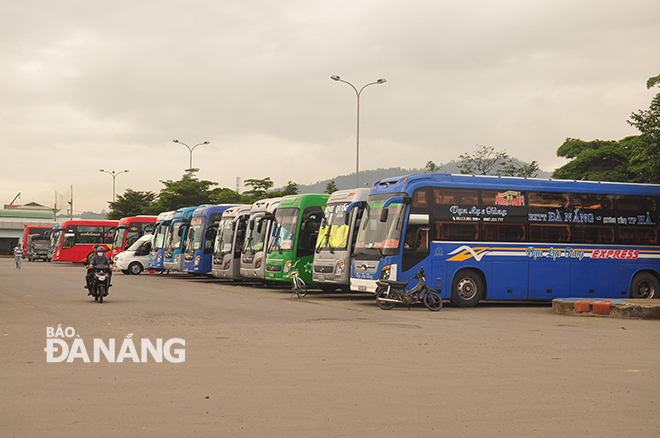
(131, 229)
(73, 241)
(34, 229)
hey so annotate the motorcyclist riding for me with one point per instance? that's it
(99, 258)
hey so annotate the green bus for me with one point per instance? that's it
(293, 241)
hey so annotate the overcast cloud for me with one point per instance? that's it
(91, 85)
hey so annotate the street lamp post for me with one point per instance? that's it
(114, 176)
(191, 149)
(357, 159)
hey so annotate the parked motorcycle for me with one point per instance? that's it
(100, 282)
(390, 292)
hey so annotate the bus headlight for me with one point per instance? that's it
(257, 264)
(341, 267)
(287, 266)
(385, 272)
(197, 260)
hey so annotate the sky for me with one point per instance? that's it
(108, 85)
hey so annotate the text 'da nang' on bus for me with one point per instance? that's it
(490, 238)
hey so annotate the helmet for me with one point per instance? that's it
(96, 246)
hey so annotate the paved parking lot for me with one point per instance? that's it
(259, 363)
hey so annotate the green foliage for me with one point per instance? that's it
(430, 167)
(645, 161)
(131, 203)
(331, 187)
(595, 160)
(290, 189)
(259, 189)
(227, 196)
(487, 161)
(186, 192)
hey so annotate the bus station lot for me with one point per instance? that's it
(260, 363)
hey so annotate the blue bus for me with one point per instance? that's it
(198, 251)
(161, 228)
(484, 237)
(176, 238)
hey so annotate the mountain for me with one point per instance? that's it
(368, 177)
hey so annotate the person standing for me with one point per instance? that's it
(18, 254)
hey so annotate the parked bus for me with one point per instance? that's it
(73, 241)
(229, 242)
(157, 254)
(257, 238)
(298, 219)
(482, 237)
(32, 230)
(176, 238)
(198, 251)
(131, 229)
(336, 241)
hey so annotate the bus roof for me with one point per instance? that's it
(207, 210)
(349, 195)
(269, 205)
(305, 200)
(130, 219)
(88, 222)
(406, 184)
(238, 210)
(165, 216)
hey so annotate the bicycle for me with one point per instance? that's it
(298, 285)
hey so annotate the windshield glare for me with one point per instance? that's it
(284, 234)
(196, 234)
(383, 235)
(159, 237)
(255, 234)
(119, 237)
(223, 243)
(334, 232)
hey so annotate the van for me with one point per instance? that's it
(135, 259)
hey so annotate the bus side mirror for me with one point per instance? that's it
(251, 225)
(179, 232)
(383, 214)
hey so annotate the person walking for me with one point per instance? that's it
(18, 254)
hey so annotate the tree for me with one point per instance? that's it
(331, 187)
(430, 167)
(131, 203)
(259, 189)
(227, 196)
(290, 189)
(188, 191)
(487, 161)
(596, 160)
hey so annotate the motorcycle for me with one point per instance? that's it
(390, 292)
(100, 282)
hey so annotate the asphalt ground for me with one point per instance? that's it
(261, 363)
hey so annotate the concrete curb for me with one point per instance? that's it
(603, 308)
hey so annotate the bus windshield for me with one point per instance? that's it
(223, 243)
(285, 231)
(120, 233)
(196, 234)
(335, 230)
(255, 234)
(159, 237)
(384, 236)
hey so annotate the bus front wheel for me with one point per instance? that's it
(467, 289)
(645, 285)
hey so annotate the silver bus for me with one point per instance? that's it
(336, 240)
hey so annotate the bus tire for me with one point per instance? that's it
(645, 285)
(467, 289)
(135, 268)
